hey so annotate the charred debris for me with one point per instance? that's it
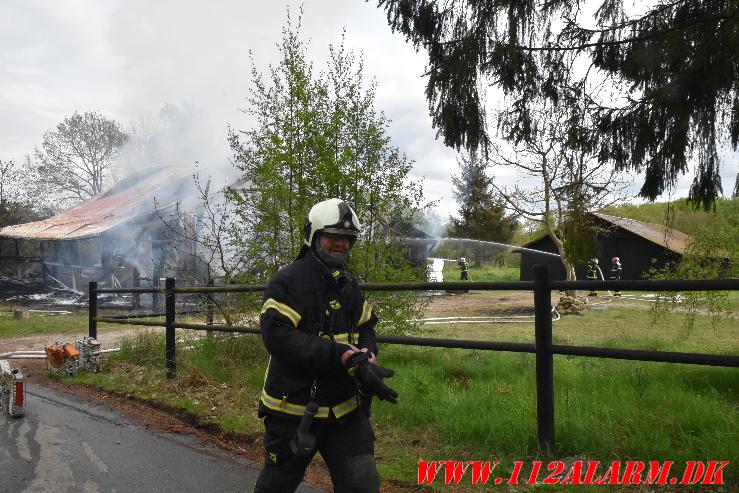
(117, 238)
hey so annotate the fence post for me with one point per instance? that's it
(169, 311)
(92, 325)
(544, 358)
(209, 304)
(136, 280)
(155, 295)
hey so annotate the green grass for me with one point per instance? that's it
(469, 404)
(623, 323)
(479, 405)
(482, 273)
(684, 218)
(76, 323)
(482, 406)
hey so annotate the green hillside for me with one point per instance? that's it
(682, 216)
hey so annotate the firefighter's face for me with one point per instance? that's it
(333, 244)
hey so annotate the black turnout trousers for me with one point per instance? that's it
(347, 449)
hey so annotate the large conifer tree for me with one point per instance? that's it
(482, 214)
(650, 89)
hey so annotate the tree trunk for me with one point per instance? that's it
(570, 270)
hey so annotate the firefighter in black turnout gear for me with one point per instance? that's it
(465, 269)
(592, 274)
(616, 271)
(320, 334)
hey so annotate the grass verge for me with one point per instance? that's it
(475, 405)
(37, 324)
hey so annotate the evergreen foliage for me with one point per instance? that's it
(647, 91)
(319, 136)
(482, 213)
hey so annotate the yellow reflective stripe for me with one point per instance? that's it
(342, 338)
(282, 309)
(266, 372)
(283, 406)
(345, 407)
(366, 313)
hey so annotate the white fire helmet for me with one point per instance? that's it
(616, 260)
(332, 216)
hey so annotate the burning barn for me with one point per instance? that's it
(117, 238)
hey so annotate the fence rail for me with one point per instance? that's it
(543, 347)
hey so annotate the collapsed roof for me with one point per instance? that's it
(129, 199)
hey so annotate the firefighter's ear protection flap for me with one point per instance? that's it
(344, 281)
(306, 229)
(342, 278)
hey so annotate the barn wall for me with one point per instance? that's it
(530, 259)
(637, 256)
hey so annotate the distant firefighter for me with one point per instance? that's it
(592, 274)
(616, 271)
(465, 275)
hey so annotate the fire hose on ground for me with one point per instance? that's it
(38, 354)
(511, 319)
(640, 297)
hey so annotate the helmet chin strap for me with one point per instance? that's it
(326, 258)
(332, 260)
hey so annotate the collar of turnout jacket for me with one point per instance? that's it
(309, 315)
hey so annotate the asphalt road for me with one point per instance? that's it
(64, 445)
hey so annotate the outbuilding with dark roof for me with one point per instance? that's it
(640, 247)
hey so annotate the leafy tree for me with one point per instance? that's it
(76, 159)
(482, 213)
(557, 187)
(713, 253)
(646, 91)
(319, 136)
(204, 248)
(17, 204)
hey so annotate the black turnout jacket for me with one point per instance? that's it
(310, 314)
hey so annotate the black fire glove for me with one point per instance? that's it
(369, 377)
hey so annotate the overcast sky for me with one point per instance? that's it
(128, 58)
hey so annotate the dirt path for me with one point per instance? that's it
(476, 303)
(108, 339)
